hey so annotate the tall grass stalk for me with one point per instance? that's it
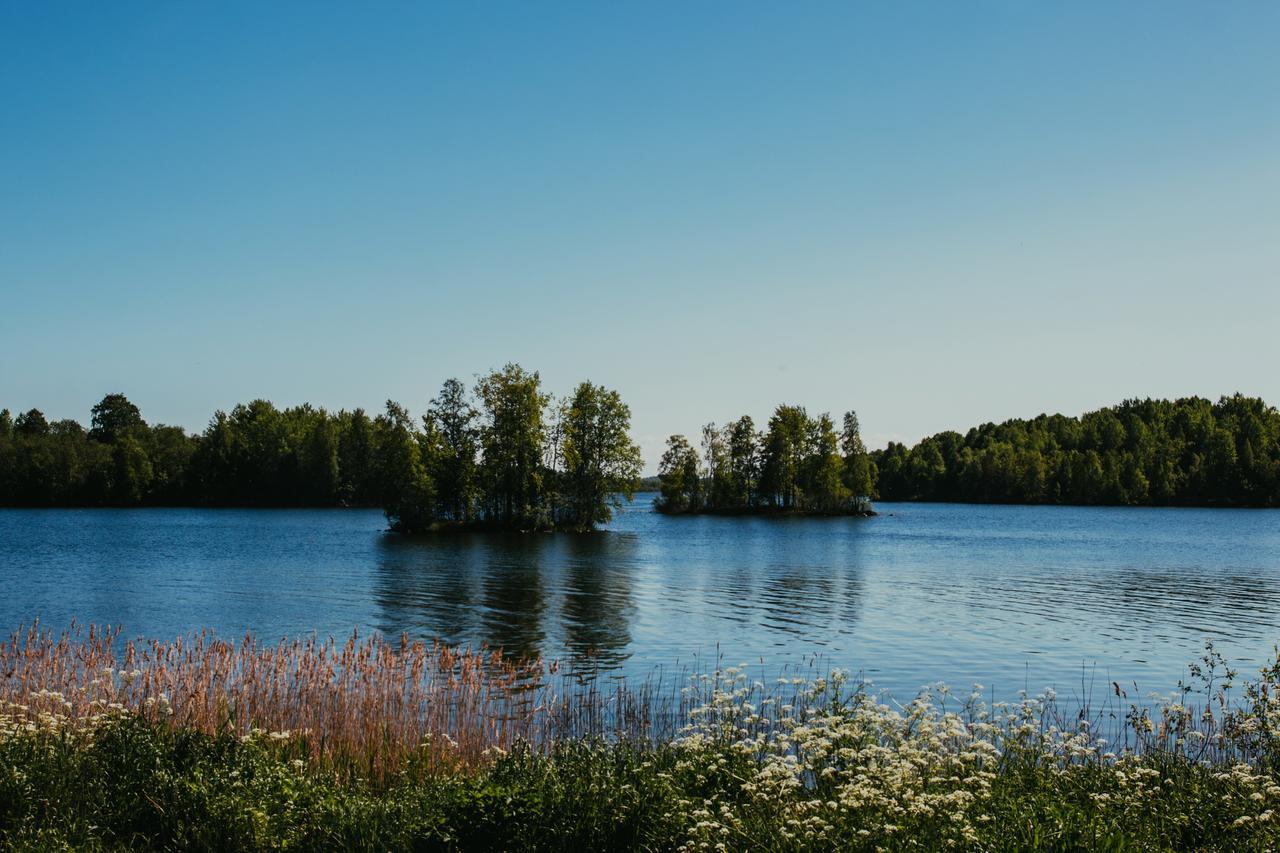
(370, 706)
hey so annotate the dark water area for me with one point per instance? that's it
(1005, 596)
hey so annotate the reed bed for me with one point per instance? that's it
(369, 705)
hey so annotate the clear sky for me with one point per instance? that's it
(938, 214)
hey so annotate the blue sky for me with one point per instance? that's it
(939, 214)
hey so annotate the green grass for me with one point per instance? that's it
(138, 784)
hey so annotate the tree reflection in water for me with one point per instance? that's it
(565, 596)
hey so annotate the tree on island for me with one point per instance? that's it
(452, 440)
(510, 457)
(744, 461)
(681, 481)
(512, 438)
(404, 486)
(800, 464)
(859, 471)
(601, 462)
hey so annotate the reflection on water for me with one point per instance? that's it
(1010, 596)
(528, 595)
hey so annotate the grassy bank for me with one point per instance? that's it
(818, 764)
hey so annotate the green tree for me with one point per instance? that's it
(259, 446)
(784, 451)
(355, 458)
(513, 435)
(170, 450)
(680, 487)
(822, 468)
(318, 470)
(602, 463)
(744, 461)
(715, 455)
(115, 417)
(131, 471)
(31, 424)
(403, 485)
(453, 436)
(859, 470)
(213, 472)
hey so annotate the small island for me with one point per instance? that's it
(800, 465)
(510, 457)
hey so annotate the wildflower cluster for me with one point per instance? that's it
(820, 765)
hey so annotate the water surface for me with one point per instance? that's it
(1002, 595)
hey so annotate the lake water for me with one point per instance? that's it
(1006, 596)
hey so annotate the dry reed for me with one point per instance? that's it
(371, 706)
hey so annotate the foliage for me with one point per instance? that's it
(800, 765)
(681, 485)
(114, 418)
(495, 458)
(800, 464)
(451, 438)
(1187, 452)
(512, 438)
(501, 457)
(601, 462)
(405, 487)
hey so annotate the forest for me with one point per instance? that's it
(1187, 452)
(503, 454)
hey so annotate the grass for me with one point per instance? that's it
(398, 746)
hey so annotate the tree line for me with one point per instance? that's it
(798, 464)
(504, 453)
(1187, 452)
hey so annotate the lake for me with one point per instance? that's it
(1007, 596)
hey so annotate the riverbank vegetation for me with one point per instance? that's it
(798, 464)
(1188, 452)
(206, 745)
(506, 455)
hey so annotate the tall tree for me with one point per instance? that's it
(859, 470)
(715, 455)
(355, 458)
(453, 436)
(403, 486)
(744, 461)
(169, 450)
(131, 471)
(319, 473)
(602, 463)
(512, 440)
(784, 449)
(681, 487)
(822, 469)
(31, 424)
(115, 417)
